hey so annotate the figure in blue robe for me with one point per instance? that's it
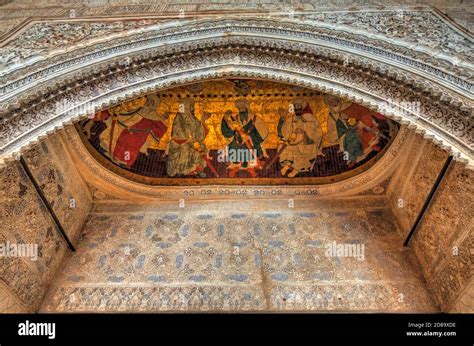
(352, 141)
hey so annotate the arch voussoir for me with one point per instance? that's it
(75, 93)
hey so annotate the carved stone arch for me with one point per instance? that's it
(44, 96)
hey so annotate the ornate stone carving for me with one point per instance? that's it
(61, 184)
(406, 26)
(443, 241)
(465, 304)
(429, 33)
(42, 38)
(9, 302)
(455, 276)
(198, 51)
(25, 220)
(211, 261)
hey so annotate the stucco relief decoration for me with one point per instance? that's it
(300, 159)
(140, 56)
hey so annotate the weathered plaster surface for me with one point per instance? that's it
(443, 239)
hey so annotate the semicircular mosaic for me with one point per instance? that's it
(237, 132)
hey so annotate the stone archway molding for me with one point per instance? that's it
(434, 96)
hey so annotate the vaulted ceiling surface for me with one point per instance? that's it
(237, 132)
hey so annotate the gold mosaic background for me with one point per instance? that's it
(266, 99)
(269, 102)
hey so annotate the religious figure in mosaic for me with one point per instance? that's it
(247, 134)
(187, 154)
(130, 128)
(302, 139)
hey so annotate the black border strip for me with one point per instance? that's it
(46, 203)
(428, 200)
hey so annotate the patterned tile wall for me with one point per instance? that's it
(233, 261)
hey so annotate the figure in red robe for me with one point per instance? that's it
(132, 139)
(128, 133)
